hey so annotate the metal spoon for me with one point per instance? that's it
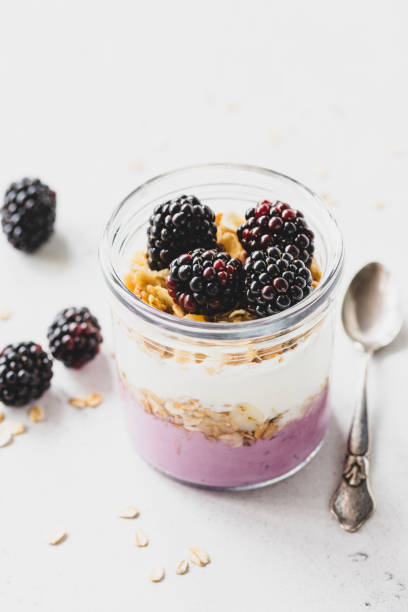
(372, 318)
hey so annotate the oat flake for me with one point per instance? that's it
(94, 399)
(5, 437)
(182, 567)
(141, 539)
(198, 556)
(56, 536)
(156, 573)
(130, 512)
(36, 414)
(78, 402)
(13, 427)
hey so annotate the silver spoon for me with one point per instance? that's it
(372, 318)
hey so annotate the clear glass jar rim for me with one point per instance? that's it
(257, 328)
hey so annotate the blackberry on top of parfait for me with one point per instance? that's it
(277, 224)
(177, 227)
(207, 266)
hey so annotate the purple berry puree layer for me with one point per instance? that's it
(193, 458)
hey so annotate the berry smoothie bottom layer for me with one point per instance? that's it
(194, 458)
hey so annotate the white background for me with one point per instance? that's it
(96, 97)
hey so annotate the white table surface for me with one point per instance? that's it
(97, 97)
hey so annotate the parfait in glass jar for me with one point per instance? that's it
(223, 304)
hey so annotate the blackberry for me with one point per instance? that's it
(28, 214)
(277, 224)
(25, 373)
(74, 337)
(205, 281)
(179, 226)
(274, 281)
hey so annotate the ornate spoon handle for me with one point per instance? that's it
(352, 502)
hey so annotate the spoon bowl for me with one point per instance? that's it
(372, 313)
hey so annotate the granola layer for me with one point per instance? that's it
(236, 424)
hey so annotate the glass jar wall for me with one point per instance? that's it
(226, 405)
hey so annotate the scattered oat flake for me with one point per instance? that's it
(182, 567)
(141, 539)
(231, 107)
(156, 573)
(78, 402)
(4, 315)
(1, 417)
(328, 199)
(274, 137)
(198, 556)
(379, 205)
(396, 151)
(323, 174)
(5, 437)
(13, 427)
(56, 536)
(94, 399)
(129, 512)
(136, 166)
(36, 414)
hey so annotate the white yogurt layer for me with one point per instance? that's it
(275, 386)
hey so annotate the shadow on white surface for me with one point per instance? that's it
(56, 250)
(51, 404)
(94, 377)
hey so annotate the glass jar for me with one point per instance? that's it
(223, 405)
